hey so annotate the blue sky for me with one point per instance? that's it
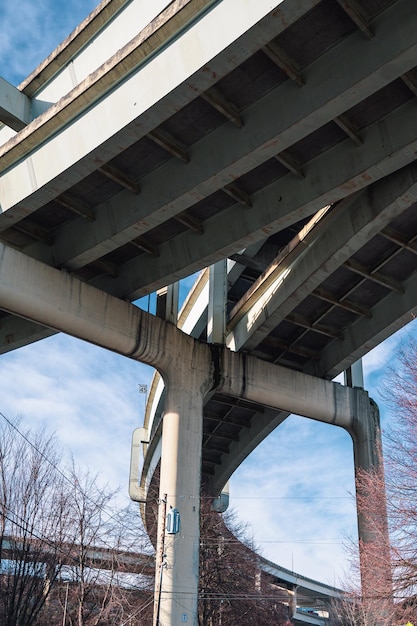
(294, 490)
(30, 31)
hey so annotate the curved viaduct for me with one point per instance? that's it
(158, 141)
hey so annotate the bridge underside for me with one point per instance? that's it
(311, 105)
(286, 144)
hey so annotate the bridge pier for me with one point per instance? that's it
(191, 369)
(180, 481)
(374, 551)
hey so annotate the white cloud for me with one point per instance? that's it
(303, 458)
(30, 31)
(295, 491)
(87, 395)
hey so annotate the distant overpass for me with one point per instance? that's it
(296, 591)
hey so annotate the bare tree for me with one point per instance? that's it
(231, 590)
(369, 593)
(34, 513)
(353, 610)
(65, 547)
(401, 477)
(396, 602)
(105, 584)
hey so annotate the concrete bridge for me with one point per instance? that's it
(309, 600)
(159, 140)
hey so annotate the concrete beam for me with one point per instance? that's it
(191, 370)
(216, 315)
(14, 106)
(16, 332)
(389, 315)
(332, 241)
(167, 303)
(106, 30)
(271, 385)
(264, 135)
(262, 425)
(319, 101)
(84, 312)
(42, 294)
(311, 590)
(335, 174)
(191, 61)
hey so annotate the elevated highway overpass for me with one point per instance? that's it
(152, 144)
(308, 600)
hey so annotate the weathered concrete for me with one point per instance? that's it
(216, 315)
(14, 106)
(191, 370)
(321, 249)
(180, 483)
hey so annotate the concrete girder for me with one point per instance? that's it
(216, 315)
(262, 425)
(398, 136)
(333, 175)
(282, 392)
(268, 384)
(53, 298)
(239, 150)
(389, 315)
(338, 235)
(312, 590)
(16, 332)
(14, 106)
(83, 311)
(72, 149)
(114, 26)
(59, 59)
(192, 320)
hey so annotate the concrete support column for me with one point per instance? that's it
(167, 303)
(292, 600)
(375, 566)
(216, 324)
(180, 481)
(14, 106)
(354, 375)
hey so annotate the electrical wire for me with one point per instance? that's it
(103, 508)
(23, 525)
(103, 574)
(136, 613)
(214, 541)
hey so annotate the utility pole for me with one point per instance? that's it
(65, 605)
(163, 502)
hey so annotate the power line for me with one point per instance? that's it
(77, 487)
(25, 526)
(104, 576)
(318, 497)
(309, 497)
